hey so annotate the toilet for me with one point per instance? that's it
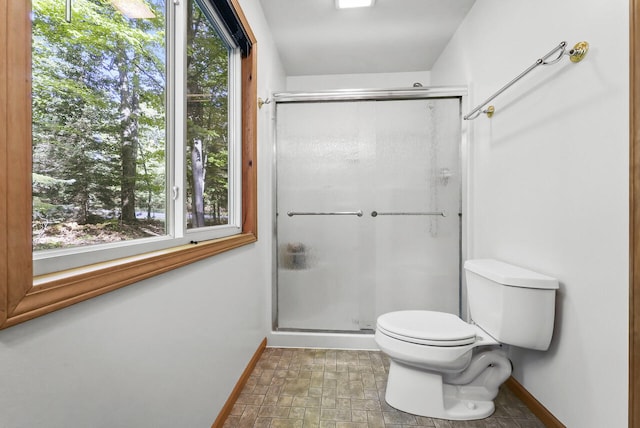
(443, 367)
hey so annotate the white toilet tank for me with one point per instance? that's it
(515, 306)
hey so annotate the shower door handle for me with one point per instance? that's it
(439, 213)
(358, 213)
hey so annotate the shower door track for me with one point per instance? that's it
(370, 94)
(345, 95)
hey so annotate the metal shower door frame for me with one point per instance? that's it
(349, 95)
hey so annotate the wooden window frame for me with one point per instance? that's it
(23, 296)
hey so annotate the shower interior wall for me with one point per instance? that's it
(549, 176)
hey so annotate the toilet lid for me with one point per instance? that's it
(427, 328)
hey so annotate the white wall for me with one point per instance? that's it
(357, 81)
(165, 352)
(549, 185)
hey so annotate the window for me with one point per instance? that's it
(117, 101)
(103, 137)
(99, 123)
(212, 66)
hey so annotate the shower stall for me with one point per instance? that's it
(368, 206)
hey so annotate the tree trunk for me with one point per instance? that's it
(147, 180)
(129, 110)
(197, 176)
(194, 115)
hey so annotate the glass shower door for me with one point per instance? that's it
(359, 188)
(323, 152)
(417, 185)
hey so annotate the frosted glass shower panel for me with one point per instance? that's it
(398, 163)
(417, 177)
(323, 154)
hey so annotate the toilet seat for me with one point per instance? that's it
(427, 328)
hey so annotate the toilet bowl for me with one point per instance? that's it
(433, 340)
(443, 367)
(425, 363)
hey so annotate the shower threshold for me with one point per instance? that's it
(308, 330)
(327, 339)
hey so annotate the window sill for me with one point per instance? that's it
(58, 290)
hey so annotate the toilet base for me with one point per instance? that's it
(423, 393)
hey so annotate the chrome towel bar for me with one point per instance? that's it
(575, 55)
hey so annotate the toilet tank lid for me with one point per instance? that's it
(506, 274)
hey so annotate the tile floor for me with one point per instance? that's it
(327, 388)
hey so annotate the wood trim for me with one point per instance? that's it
(242, 381)
(634, 215)
(19, 155)
(16, 121)
(249, 151)
(4, 47)
(249, 127)
(23, 297)
(534, 405)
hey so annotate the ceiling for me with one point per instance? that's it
(313, 37)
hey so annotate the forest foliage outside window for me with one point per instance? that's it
(99, 127)
(101, 146)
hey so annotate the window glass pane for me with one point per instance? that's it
(207, 150)
(98, 122)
